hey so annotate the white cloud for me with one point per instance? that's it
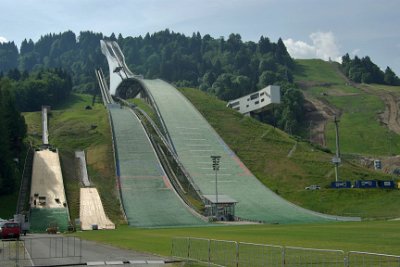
(323, 46)
(299, 49)
(3, 39)
(355, 52)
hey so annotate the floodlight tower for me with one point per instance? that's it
(215, 165)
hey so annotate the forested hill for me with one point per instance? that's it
(78, 56)
(12, 133)
(228, 68)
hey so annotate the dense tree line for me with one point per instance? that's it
(228, 68)
(44, 87)
(363, 70)
(79, 56)
(12, 133)
(8, 56)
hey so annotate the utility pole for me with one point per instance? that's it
(336, 160)
(215, 165)
(389, 142)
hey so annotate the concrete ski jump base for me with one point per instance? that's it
(91, 212)
(47, 197)
(47, 189)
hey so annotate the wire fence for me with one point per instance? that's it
(366, 259)
(297, 256)
(259, 255)
(14, 252)
(241, 254)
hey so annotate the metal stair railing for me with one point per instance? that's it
(25, 181)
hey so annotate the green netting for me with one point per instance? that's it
(195, 141)
(42, 218)
(147, 196)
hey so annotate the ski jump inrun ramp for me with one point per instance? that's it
(194, 141)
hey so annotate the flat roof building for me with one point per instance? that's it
(223, 209)
(258, 101)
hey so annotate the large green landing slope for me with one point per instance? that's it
(148, 198)
(195, 141)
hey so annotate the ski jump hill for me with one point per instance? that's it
(146, 194)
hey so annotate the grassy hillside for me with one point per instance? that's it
(282, 163)
(73, 127)
(266, 152)
(361, 131)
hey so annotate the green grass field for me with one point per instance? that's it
(317, 71)
(378, 236)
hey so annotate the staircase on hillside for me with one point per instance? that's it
(24, 190)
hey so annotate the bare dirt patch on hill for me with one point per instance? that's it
(319, 111)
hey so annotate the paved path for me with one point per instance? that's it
(52, 250)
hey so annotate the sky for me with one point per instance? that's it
(325, 29)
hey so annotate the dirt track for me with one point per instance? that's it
(319, 111)
(391, 115)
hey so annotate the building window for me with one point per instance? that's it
(234, 104)
(262, 99)
(254, 96)
(262, 94)
(247, 106)
(237, 108)
(256, 102)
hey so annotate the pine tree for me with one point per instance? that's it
(390, 77)
(7, 182)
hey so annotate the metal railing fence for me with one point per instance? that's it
(297, 257)
(241, 254)
(250, 254)
(15, 252)
(367, 259)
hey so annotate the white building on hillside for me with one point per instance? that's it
(258, 101)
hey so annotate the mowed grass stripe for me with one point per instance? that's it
(378, 236)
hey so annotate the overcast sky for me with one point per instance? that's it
(310, 28)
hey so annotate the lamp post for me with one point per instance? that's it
(215, 165)
(336, 160)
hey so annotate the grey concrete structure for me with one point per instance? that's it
(257, 101)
